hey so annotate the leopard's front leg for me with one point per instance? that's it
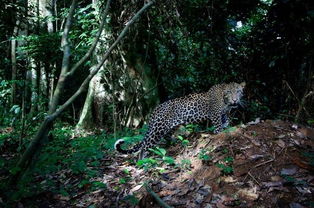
(225, 120)
(217, 122)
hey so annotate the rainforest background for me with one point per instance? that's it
(77, 75)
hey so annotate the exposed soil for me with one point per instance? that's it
(272, 165)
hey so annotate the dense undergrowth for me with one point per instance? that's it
(71, 163)
(66, 155)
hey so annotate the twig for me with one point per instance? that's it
(247, 136)
(156, 197)
(302, 105)
(263, 163)
(284, 81)
(258, 165)
(300, 102)
(249, 173)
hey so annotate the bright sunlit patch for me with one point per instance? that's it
(239, 24)
(268, 2)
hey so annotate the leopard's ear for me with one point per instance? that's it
(243, 84)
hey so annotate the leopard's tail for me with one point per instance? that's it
(134, 149)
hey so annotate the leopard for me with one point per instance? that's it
(214, 105)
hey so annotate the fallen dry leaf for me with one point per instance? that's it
(307, 132)
(289, 171)
(272, 184)
(249, 193)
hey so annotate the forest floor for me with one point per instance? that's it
(261, 164)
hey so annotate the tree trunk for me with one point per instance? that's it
(20, 16)
(95, 89)
(13, 62)
(34, 88)
(86, 117)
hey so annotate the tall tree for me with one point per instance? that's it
(66, 71)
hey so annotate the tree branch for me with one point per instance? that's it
(94, 71)
(65, 44)
(44, 128)
(122, 34)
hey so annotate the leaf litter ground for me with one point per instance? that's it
(261, 164)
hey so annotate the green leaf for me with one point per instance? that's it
(146, 161)
(180, 138)
(99, 185)
(185, 142)
(126, 171)
(162, 151)
(122, 180)
(272, 63)
(229, 159)
(15, 170)
(231, 129)
(310, 122)
(16, 109)
(159, 151)
(169, 160)
(82, 183)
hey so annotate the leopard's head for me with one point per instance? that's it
(233, 93)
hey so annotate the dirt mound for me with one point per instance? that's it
(264, 164)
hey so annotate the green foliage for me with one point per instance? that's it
(126, 178)
(185, 164)
(185, 142)
(228, 159)
(150, 163)
(96, 185)
(225, 169)
(133, 200)
(211, 128)
(188, 45)
(123, 180)
(230, 129)
(36, 46)
(78, 157)
(257, 109)
(310, 122)
(147, 163)
(204, 154)
(5, 92)
(192, 128)
(226, 165)
(159, 151)
(81, 155)
(162, 153)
